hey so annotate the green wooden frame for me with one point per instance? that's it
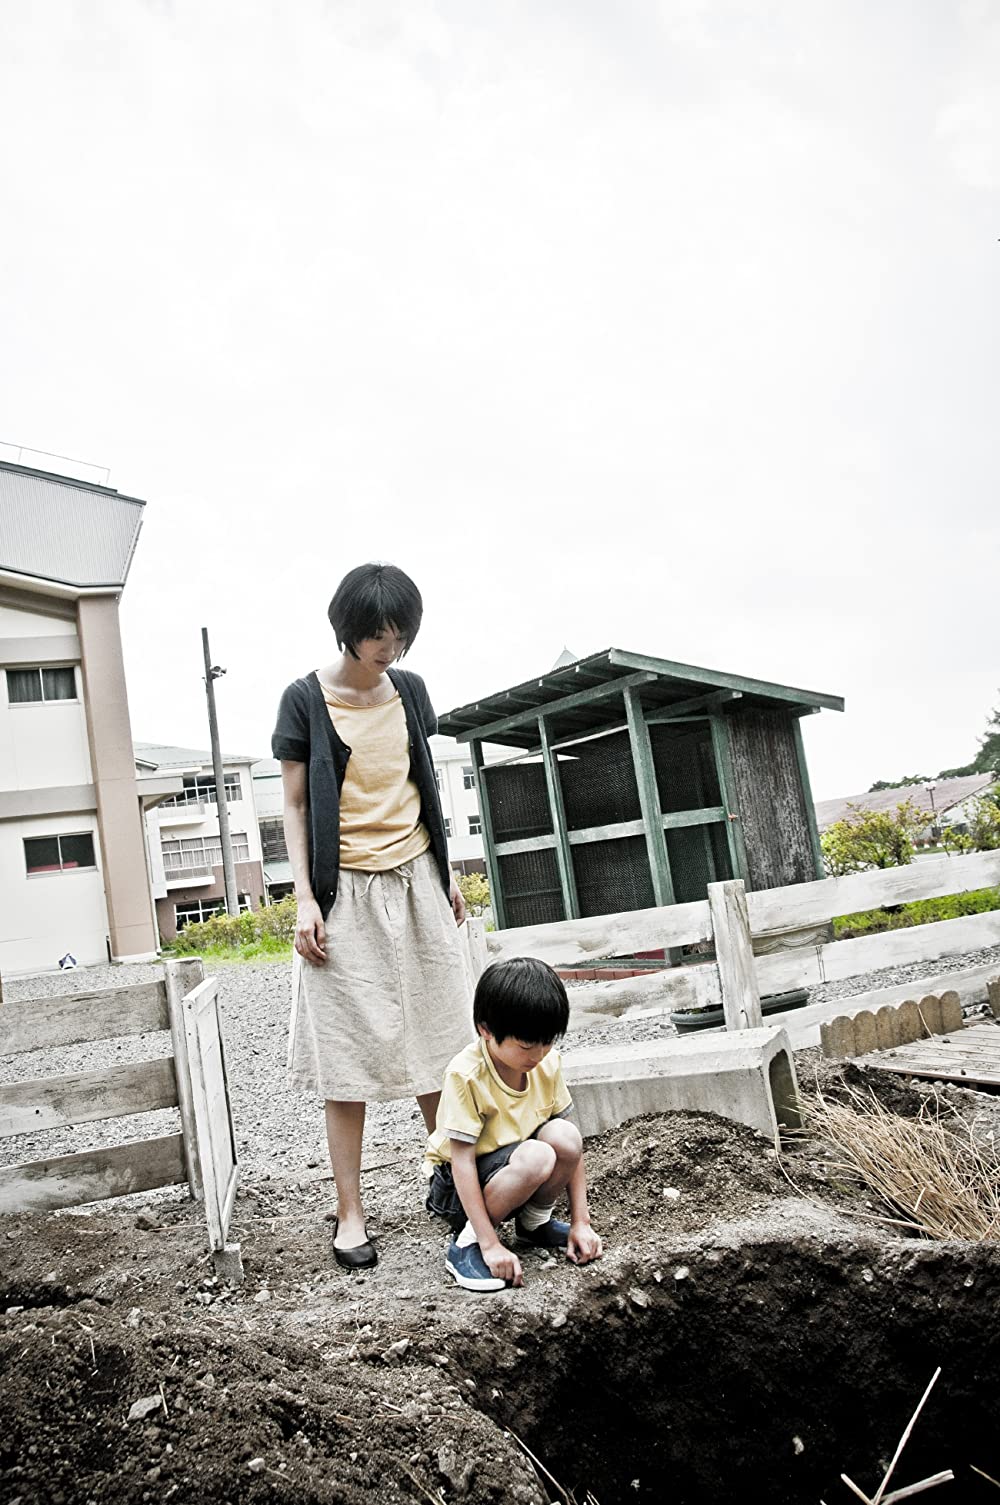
(564, 857)
(489, 845)
(727, 788)
(800, 757)
(649, 799)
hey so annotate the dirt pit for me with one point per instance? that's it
(751, 1331)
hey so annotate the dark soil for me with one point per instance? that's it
(759, 1329)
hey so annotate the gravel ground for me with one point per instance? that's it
(281, 1132)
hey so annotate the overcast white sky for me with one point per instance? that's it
(671, 326)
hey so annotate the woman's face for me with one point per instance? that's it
(379, 653)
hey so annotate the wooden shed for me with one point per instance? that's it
(635, 782)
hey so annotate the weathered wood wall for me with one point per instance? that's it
(770, 799)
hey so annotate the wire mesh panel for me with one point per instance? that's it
(686, 773)
(613, 876)
(531, 891)
(519, 801)
(598, 784)
(697, 858)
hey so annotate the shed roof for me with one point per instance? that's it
(586, 696)
(947, 793)
(69, 532)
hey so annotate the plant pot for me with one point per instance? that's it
(687, 1020)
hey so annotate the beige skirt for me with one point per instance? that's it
(392, 1004)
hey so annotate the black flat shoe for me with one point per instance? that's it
(360, 1257)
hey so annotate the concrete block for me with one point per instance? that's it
(746, 1075)
(952, 1017)
(993, 994)
(908, 1022)
(886, 1031)
(837, 1037)
(930, 1010)
(865, 1033)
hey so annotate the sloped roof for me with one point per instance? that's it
(947, 793)
(64, 531)
(586, 695)
(162, 755)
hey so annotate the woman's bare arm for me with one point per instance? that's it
(310, 931)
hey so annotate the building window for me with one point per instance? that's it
(437, 780)
(59, 854)
(447, 827)
(475, 825)
(200, 790)
(28, 686)
(196, 852)
(468, 777)
(272, 839)
(193, 911)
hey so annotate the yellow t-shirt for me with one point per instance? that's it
(479, 1108)
(380, 825)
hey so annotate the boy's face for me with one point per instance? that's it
(516, 1055)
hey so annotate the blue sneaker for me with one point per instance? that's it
(470, 1269)
(550, 1235)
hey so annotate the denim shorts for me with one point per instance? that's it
(442, 1198)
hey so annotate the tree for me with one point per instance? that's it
(911, 778)
(988, 757)
(982, 832)
(475, 891)
(872, 838)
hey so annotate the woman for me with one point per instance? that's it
(381, 998)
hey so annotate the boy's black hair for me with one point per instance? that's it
(371, 598)
(522, 998)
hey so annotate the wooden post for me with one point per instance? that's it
(734, 955)
(479, 957)
(993, 994)
(727, 791)
(649, 799)
(183, 974)
(564, 855)
(800, 753)
(489, 842)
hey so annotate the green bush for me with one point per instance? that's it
(920, 912)
(256, 932)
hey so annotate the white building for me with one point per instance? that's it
(71, 834)
(183, 841)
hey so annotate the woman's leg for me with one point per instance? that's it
(427, 1102)
(345, 1124)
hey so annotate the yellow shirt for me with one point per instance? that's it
(479, 1108)
(380, 825)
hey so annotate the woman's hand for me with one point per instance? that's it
(310, 932)
(457, 902)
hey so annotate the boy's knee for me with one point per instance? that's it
(565, 1138)
(535, 1158)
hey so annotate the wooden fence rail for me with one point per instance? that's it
(732, 920)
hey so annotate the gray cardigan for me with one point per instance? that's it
(304, 733)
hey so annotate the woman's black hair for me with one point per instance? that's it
(522, 998)
(371, 598)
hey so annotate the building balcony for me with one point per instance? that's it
(182, 815)
(188, 877)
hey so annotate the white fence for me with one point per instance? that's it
(731, 921)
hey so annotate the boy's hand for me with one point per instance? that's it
(583, 1244)
(502, 1263)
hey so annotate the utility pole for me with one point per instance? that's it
(212, 673)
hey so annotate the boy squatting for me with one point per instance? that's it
(502, 1143)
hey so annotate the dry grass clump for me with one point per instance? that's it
(939, 1178)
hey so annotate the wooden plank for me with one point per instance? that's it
(556, 707)
(811, 965)
(801, 904)
(475, 940)
(213, 1112)
(707, 816)
(800, 754)
(112, 1092)
(649, 799)
(183, 975)
(727, 788)
(557, 808)
(39, 1023)
(573, 943)
(654, 992)
(734, 955)
(93, 1175)
(662, 668)
(681, 710)
(489, 839)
